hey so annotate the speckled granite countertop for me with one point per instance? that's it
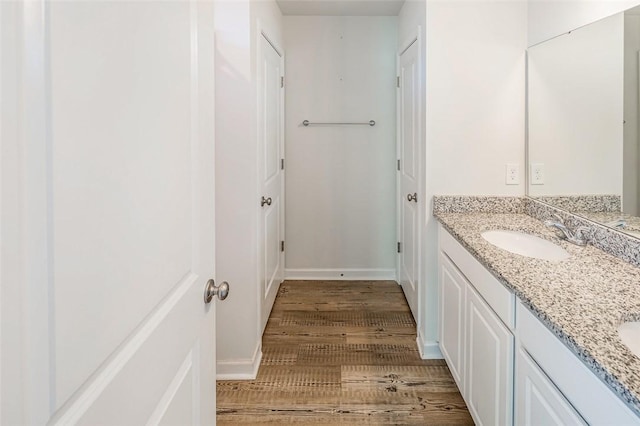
(582, 299)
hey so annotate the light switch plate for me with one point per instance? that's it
(537, 174)
(512, 176)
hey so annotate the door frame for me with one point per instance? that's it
(415, 37)
(263, 33)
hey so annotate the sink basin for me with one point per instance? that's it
(526, 245)
(629, 332)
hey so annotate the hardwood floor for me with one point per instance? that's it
(342, 352)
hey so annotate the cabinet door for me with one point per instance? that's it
(451, 330)
(538, 401)
(489, 366)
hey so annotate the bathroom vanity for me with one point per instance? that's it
(532, 341)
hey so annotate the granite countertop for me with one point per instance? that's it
(582, 299)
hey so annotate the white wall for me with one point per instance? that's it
(631, 166)
(548, 19)
(340, 181)
(475, 95)
(576, 110)
(475, 109)
(237, 204)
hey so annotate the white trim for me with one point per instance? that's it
(340, 274)
(428, 350)
(243, 369)
(37, 213)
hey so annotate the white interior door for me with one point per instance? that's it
(409, 173)
(116, 213)
(270, 175)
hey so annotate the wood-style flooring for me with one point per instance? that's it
(342, 352)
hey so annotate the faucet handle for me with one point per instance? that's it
(557, 217)
(581, 232)
(580, 236)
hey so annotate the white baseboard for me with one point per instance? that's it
(428, 350)
(243, 369)
(340, 274)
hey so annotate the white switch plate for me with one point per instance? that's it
(537, 173)
(512, 176)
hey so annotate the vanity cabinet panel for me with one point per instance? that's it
(483, 330)
(589, 396)
(451, 328)
(497, 296)
(474, 340)
(538, 401)
(489, 365)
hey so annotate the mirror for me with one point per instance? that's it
(583, 121)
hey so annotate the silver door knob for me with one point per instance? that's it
(266, 201)
(210, 290)
(412, 197)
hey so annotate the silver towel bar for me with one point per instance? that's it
(370, 123)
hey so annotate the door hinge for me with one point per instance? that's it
(282, 82)
(398, 81)
(399, 247)
(281, 245)
(398, 165)
(282, 164)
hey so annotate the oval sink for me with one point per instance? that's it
(629, 332)
(526, 245)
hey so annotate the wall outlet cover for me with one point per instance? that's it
(512, 176)
(537, 174)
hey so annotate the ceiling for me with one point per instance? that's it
(341, 7)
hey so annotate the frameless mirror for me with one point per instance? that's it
(583, 121)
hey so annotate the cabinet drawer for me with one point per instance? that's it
(538, 401)
(499, 298)
(595, 402)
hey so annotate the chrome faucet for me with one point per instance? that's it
(576, 237)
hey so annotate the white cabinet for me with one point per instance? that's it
(512, 372)
(474, 340)
(452, 294)
(539, 402)
(567, 375)
(489, 364)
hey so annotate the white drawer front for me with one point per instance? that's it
(595, 402)
(538, 401)
(501, 300)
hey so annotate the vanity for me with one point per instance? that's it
(550, 334)
(533, 341)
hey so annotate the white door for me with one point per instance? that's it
(452, 321)
(409, 174)
(116, 213)
(488, 365)
(270, 176)
(538, 401)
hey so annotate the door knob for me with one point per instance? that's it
(412, 197)
(210, 290)
(266, 201)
